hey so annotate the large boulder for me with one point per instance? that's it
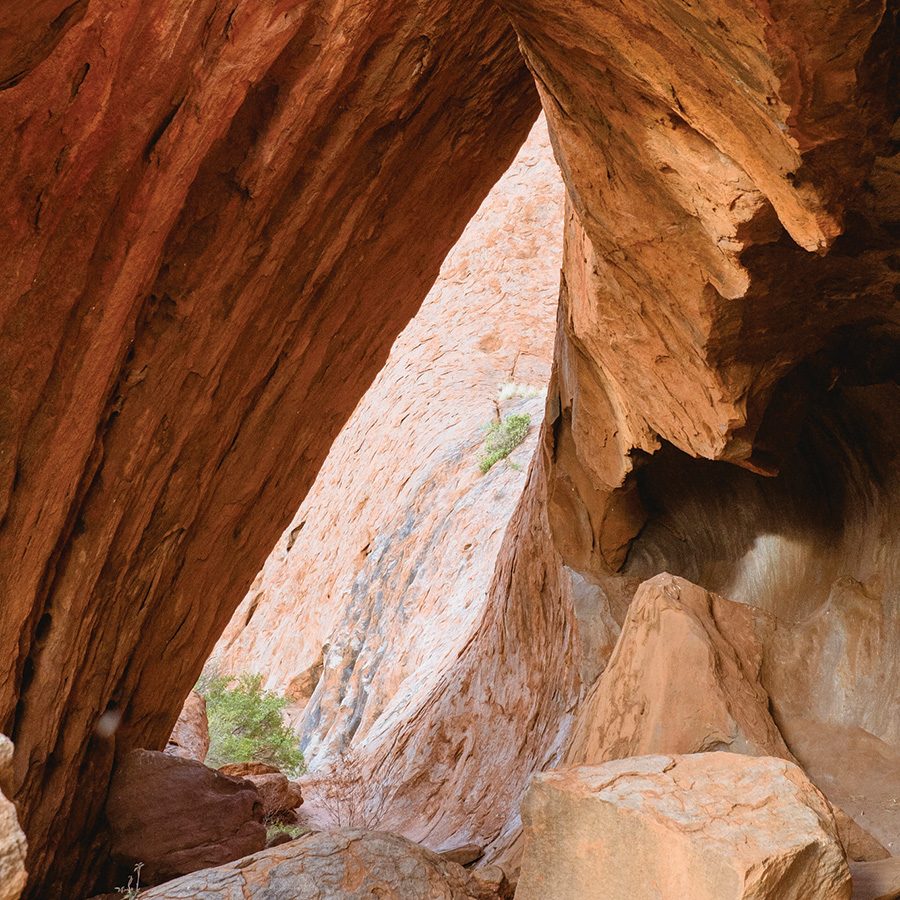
(339, 865)
(277, 792)
(684, 678)
(190, 736)
(710, 826)
(12, 840)
(177, 816)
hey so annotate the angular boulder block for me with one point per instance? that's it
(708, 826)
(349, 864)
(177, 816)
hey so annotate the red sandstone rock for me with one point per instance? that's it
(242, 770)
(277, 793)
(190, 736)
(710, 826)
(876, 880)
(217, 220)
(860, 773)
(177, 816)
(346, 864)
(463, 855)
(858, 844)
(684, 678)
(689, 294)
(279, 838)
(355, 616)
(203, 273)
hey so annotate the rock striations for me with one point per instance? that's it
(709, 826)
(381, 579)
(218, 219)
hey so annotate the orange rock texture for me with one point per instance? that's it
(217, 221)
(728, 293)
(351, 865)
(728, 297)
(723, 297)
(710, 826)
(381, 579)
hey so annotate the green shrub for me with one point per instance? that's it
(246, 724)
(503, 437)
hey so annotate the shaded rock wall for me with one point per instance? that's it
(381, 578)
(729, 292)
(218, 219)
(12, 841)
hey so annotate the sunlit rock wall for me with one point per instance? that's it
(377, 585)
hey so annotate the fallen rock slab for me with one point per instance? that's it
(878, 880)
(684, 678)
(339, 865)
(464, 854)
(176, 816)
(710, 826)
(190, 736)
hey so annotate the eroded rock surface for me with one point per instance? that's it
(277, 792)
(176, 816)
(211, 247)
(726, 299)
(876, 880)
(217, 221)
(710, 826)
(684, 678)
(381, 579)
(190, 736)
(340, 864)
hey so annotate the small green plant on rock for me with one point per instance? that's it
(503, 437)
(246, 724)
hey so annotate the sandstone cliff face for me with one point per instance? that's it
(729, 293)
(218, 219)
(211, 247)
(381, 579)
